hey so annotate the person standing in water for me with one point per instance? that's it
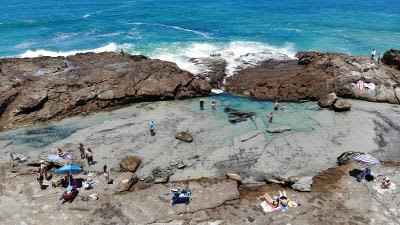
(201, 104)
(152, 127)
(283, 106)
(276, 104)
(373, 53)
(214, 104)
(270, 116)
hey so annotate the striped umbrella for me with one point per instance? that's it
(367, 158)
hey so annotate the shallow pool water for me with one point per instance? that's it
(298, 116)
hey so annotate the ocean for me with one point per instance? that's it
(242, 32)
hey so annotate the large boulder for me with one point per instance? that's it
(35, 90)
(234, 176)
(341, 105)
(392, 58)
(184, 136)
(129, 163)
(327, 100)
(126, 181)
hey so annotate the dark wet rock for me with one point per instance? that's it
(161, 176)
(346, 157)
(327, 100)
(341, 105)
(184, 136)
(314, 75)
(235, 117)
(392, 58)
(278, 129)
(34, 90)
(129, 163)
(213, 69)
(228, 110)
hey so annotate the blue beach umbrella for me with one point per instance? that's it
(71, 169)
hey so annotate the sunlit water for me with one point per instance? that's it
(298, 116)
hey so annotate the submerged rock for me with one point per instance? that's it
(129, 163)
(184, 136)
(235, 117)
(278, 129)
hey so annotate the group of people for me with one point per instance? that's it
(86, 154)
(280, 202)
(270, 115)
(373, 54)
(213, 104)
(365, 174)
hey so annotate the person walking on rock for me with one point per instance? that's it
(373, 53)
(152, 127)
(106, 173)
(379, 58)
(89, 156)
(81, 150)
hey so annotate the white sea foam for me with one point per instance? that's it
(111, 47)
(237, 54)
(86, 15)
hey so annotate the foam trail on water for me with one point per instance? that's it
(86, 15)
(174, 27)
(111, 47)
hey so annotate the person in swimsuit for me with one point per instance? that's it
(106, 173)
(214, 104)
(276, 105)
(89, 156)
(81, 150)
(385, 183)
(270, 116)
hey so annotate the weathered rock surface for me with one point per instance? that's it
(392, 58)
(314, 75)
(278, 129)
(234, 176)
(184, 136)
(303, 184)
(41, 89)
(327, 100)
(341, 105)
(213, 69)
(129, 163)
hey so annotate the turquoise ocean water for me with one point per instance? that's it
(179, 30)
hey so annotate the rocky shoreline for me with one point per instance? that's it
(34, 90)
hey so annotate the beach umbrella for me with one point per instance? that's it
(71, 169)
(367, 158)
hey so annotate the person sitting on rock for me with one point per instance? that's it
(268, 203)
(365, 174)
(385, 183)
(61, 153)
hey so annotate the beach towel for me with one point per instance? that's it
(370, 86)
(56, 157)
(267, 207)
(360, 84)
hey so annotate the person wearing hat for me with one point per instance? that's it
(385, 183)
